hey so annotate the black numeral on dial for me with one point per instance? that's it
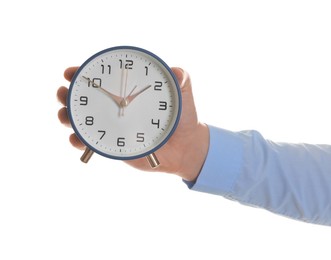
(95, 82)
(83, 100)
(89, 120)
(140, 137)
(102, 132)
(127, 64)
(158, 86)
(105, 69)
(121, 141)
(156, 122)
(163, 105)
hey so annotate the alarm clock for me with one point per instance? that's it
(124, 103)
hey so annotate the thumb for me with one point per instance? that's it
(183, 78)
(189, 114)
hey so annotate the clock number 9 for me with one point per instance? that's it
(83, 100)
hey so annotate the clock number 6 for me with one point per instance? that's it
(121, 141)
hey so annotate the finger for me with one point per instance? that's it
(74, 140)
(62, 94)
(70, 72)
(178, 73)
(63, 117)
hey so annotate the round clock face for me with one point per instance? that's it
(124, 103)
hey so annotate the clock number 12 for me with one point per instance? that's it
(127, 64)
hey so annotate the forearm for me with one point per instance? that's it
(292, 180)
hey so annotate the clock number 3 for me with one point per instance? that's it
(163, 105)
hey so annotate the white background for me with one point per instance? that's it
(261, 65)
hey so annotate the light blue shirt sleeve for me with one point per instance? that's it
(293, 180)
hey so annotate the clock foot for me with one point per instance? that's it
(86, 155)
(152, 160)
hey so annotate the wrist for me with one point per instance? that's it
(195, 153)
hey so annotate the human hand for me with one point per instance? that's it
(186, 150)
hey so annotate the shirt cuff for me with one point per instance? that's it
(223, 163)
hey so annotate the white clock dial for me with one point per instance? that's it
(124, 102)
